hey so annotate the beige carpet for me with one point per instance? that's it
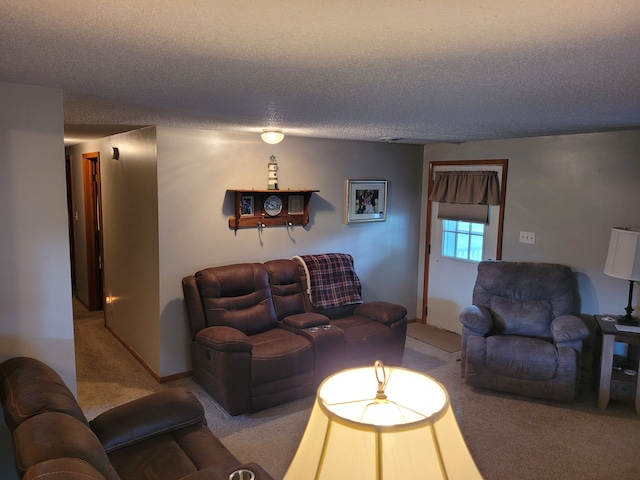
(509, 437)
(442, 339)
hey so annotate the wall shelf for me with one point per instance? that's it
(288, 208)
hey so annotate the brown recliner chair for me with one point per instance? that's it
(241, 354)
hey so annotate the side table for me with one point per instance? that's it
(610, 333)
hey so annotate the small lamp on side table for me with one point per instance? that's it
(623, 261)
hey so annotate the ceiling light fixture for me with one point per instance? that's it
(272, 136)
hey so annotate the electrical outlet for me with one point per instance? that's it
(527, 237)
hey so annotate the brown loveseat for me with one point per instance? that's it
(161, 436)
(259, 341)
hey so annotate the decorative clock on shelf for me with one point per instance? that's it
(266, 208)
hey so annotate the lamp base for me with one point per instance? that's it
(628, 319)
(624, 320)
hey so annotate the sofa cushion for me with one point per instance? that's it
(521, 357)
(380, 311)
(286, 287)
(521, 317)
(237, 296)
(29, 387)
(278, 354)
(526, 281)
(174, 455)
(361, 332)
(57, 435)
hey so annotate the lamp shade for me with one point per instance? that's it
(623, 259)
(410, 433)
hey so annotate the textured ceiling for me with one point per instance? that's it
(419, 70)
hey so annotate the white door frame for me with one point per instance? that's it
(503, 191)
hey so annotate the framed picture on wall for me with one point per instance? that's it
(366, 201)
(296, 204)
(246, 206)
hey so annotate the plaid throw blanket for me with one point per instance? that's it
(332, 280)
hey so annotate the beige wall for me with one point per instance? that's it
(197, 167)
(570, 190)
(130, 237)
(166, 216)
(35, 284)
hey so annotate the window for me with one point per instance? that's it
(462, 240)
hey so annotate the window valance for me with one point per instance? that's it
(464, 212)
(466, 187)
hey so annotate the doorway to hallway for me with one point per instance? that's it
(93, 229)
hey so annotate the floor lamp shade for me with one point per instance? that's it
(408, 432)
(623, 258)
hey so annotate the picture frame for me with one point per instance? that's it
(295, 204)
(246, 205)
(366, 201)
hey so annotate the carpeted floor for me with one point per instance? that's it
(510, 437)
(442, 339)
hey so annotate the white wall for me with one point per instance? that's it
(197, 167)
(570, 190)
(130, 237)
(166, 215)
(36, 316)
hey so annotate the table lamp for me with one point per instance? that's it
(623, 261)
(404, 429)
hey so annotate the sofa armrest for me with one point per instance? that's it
(383, 312)
(477, 319)
(212, 473)
(63, 469)
(305, 320)
(224, 339)
(147, 417)
(53, 435)
(568, 328)
(193, 305)
(29, 387)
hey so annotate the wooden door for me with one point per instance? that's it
(93, 228)
(448, 284)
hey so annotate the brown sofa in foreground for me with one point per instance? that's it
(258, 341)
(161, 436)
